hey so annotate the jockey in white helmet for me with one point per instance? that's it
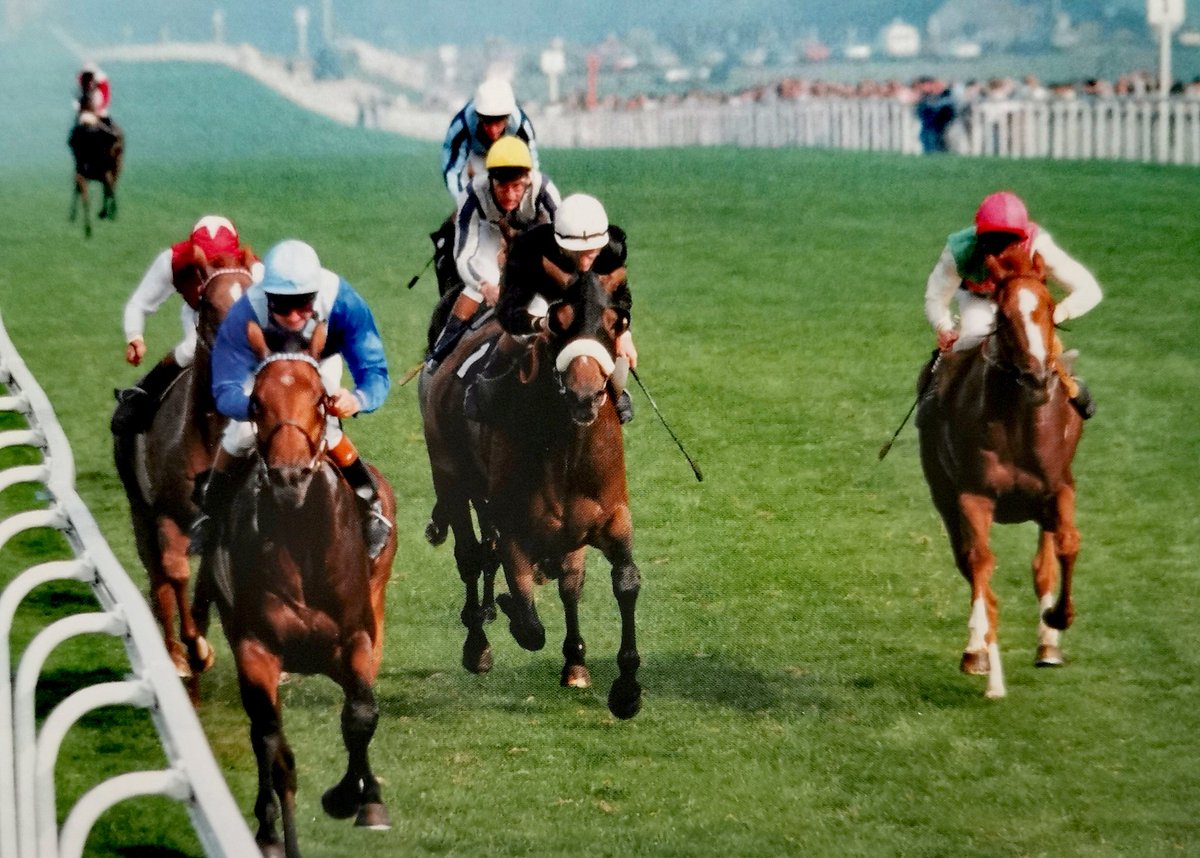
(493, 113)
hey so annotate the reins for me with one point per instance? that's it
(315, 446)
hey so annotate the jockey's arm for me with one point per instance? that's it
(153, 290)
(233, 363)
(940, 287)
(363, 351)
(478, 255)
(1083, 292)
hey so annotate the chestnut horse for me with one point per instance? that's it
(546, 482)
(98, 153)
(297, 591)
(158, 468)
(997, 435)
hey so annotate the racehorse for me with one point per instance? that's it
(98, 153)
(545, 483)
(997, 436)
(158, 468)
(297, 591)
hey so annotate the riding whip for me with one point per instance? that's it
(883, 451)
(678, 443)
(417, 276)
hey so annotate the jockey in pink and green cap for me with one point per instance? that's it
(1000, 221)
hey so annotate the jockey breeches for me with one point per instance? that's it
(977, 319)
(185, 352)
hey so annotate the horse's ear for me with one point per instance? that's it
(258, 342)
(247, 256)
(995, 267)
(1039, 266)
(317, 345)
(198, 257)
(616, 321)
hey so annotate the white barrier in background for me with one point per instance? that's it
(28, 815)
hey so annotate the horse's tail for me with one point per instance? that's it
(125, 455)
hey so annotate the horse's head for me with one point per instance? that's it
(583, 333)
(1024, 315)
(288, 406)
(211, 286)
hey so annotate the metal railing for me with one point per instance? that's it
(28, 812)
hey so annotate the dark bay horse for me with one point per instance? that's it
(997, 436)
(98, 153)
(298, 592)
(545, 483)
(158, 468)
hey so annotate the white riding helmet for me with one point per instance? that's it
(580, 223)
(292, 268)
(494, 97)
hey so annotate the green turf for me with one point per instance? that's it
(800, 620)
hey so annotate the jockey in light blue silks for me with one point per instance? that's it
(293, 297)
(493, 113)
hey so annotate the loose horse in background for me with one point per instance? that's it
(98, 154)
(997, 436)
(158, 467)
(545, 484)
(297, 591)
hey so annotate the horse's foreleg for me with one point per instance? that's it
(625, 696)
(81, 196)
(258, 681)
(570, 586)
(1066, 541)
(162, 590)
(517, 603)
(1045, 576)
(358, 793)
(173, 545)
(468, 557)
(977, 562)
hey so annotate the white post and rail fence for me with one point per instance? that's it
(29, 752)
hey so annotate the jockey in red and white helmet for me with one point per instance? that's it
(212, 234)
(95, 91)
(1001, 220)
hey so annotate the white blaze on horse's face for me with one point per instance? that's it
(1027, 301)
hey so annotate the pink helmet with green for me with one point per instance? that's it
(1002, 211)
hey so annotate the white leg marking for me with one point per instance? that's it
(1046, 635)
(977, 626)
(995, 682)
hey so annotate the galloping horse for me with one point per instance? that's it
(997, 436)
(545, 483)
(158, 468)
(298, 592)
(98, 154)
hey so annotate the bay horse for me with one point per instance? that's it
(545, 483)
(297, 591)
(158, 468)
(997, 438)
(98, 153)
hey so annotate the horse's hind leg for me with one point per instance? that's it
(258, 679)
(570, 586)
(1045, 576)
(1066, 542)
(469, 558)
(523, 621)
(975, 560)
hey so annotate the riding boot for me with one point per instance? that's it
(376, 527)
(624, 407)
(460, 319)
(1082, 400)
(137, 405)
(213, 496)
(483, 395)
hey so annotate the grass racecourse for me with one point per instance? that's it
(800, 621)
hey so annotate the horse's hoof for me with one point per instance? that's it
(272, 850)
(976, 663)
(1049, 656)
(477, 660)
(203, 656)
(340, 802)
(625, 698)
(1058, 619)
(183, 668)
(576, 676)
(435, 534)
(529, 635)
(373, 816)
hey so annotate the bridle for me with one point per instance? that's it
(1026, 378)
(316, 445)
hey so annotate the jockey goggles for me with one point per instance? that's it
(282, 305)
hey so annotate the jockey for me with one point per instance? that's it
(137, 405)
(1000, 221)
(542, 264)
(490, 115)
(294, 295)
(95, 92)
(510, 198)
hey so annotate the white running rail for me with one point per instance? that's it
(28, 814)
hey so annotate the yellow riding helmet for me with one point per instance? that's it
(509, 152)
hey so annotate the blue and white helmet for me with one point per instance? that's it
(292, 267)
